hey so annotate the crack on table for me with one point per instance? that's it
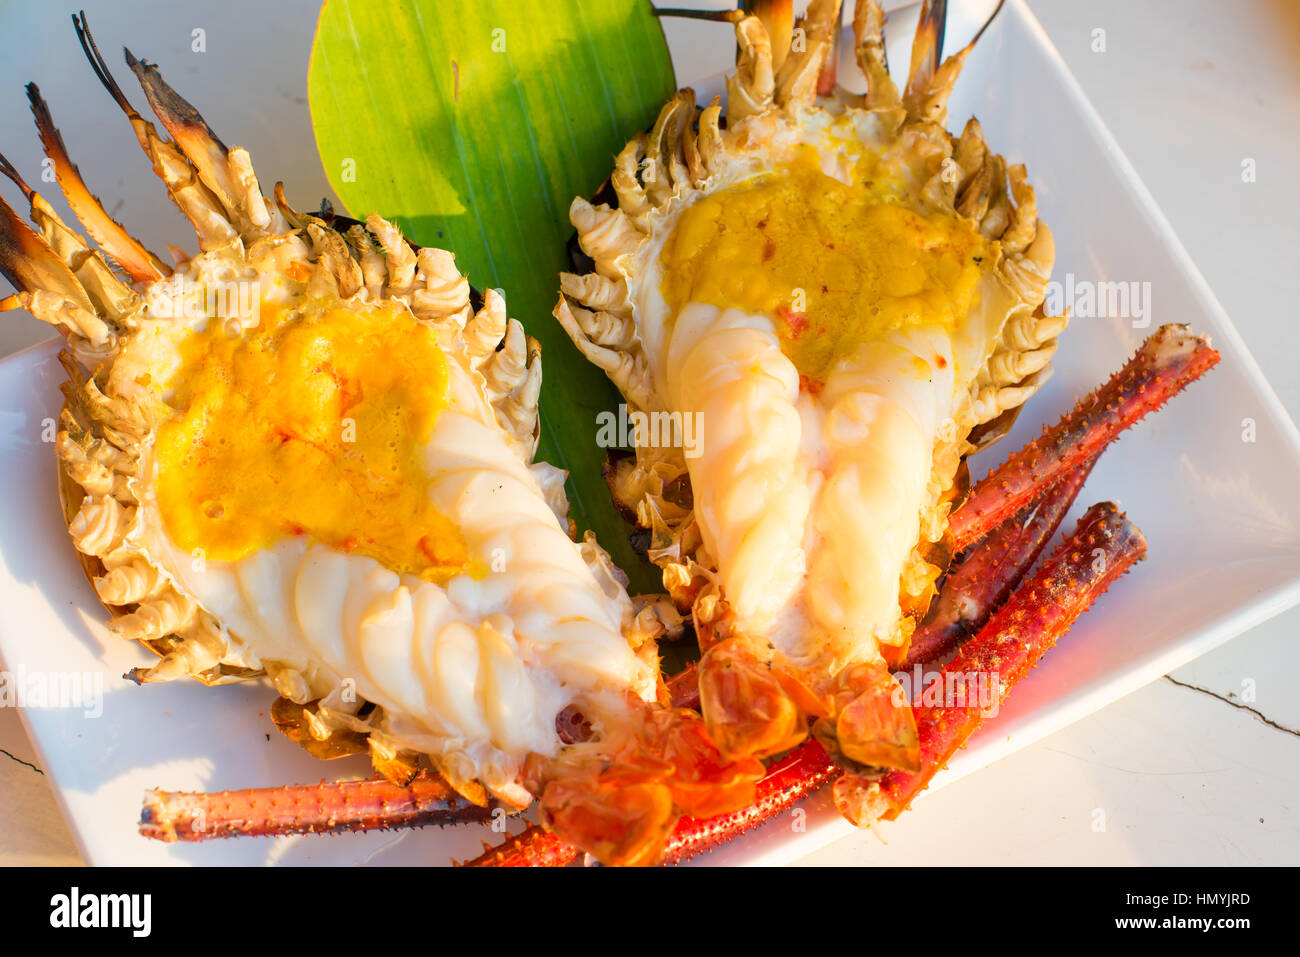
(1236, 704)
(27, 764)
(1141, 771)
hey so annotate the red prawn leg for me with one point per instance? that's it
(801, 772)
(305, 809)
(533, 847)
(990, 570)
(1165, 364)
(1104, 546)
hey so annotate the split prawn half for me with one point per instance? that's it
(845, 300)
(838, 301)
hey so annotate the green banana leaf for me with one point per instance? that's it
(472, 124)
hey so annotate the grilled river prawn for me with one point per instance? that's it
(304, 455)
(847, 300)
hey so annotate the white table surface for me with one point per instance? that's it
(1182, 772)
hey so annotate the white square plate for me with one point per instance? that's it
(1220, 513)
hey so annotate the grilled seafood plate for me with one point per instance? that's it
(846, 300)
(305, 454)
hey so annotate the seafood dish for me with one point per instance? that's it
(304, 456)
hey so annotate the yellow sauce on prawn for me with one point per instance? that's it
(834, 264)
(309, 425)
